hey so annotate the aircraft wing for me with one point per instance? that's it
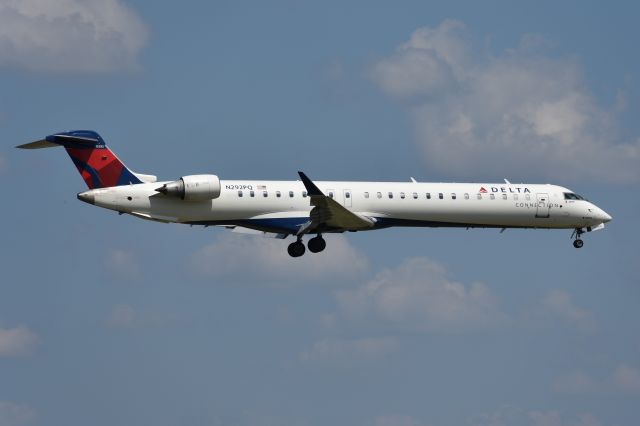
(328, 214)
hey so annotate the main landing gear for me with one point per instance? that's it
(315, 244)
(578, 243)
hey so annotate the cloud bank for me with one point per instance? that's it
(235, 258)
(77, 36)
(17, 341)
(418, 295)
(520, 112)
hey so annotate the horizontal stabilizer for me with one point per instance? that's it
(146, 178)
(43, 143)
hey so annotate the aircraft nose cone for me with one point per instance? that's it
(87, 197)
(602, 215)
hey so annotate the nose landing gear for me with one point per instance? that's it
(577, 243)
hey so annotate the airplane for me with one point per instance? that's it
(305, 207)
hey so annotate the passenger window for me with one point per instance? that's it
(504, 196)
(264, 194)
(428, 195)
(515, 196)
(239, 193)
(290, 194)
(304, 194)
(466, 196)
(278, 194)
(251, 193)
(479, 196)
(492, 196)
(366, 195)
(527, 197)
(415, 195)
(391, 195)
(440, 195)
(402, 195)
(331, 194)
(347, 195)
(379, 194)
(453, 196)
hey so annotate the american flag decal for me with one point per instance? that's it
(261, 187)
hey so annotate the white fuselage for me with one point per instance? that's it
(282, 206)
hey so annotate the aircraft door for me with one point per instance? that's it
(348, 196)
(542, 211)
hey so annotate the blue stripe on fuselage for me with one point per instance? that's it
(290, 225)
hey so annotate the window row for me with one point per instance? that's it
(402, 195)
(266, 194)
(441, 195)
(390, 195)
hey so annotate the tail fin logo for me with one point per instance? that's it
(98, 166)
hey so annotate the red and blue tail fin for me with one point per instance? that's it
(98, 166)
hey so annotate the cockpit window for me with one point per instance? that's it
(572, 196)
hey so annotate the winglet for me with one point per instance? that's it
(312, 189)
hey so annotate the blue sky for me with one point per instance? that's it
(106, 319)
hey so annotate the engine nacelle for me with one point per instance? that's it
(193, 188)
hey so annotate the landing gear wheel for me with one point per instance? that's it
(296, 249)
(578, 243)
(316, 244)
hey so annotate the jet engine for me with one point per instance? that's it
(193, 188)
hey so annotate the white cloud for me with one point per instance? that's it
(519, 112)
(559, 304)
(512, 416)
(78, 36)
(429, 63)
(574, 383)
(627, 378)
(396, 420)
(553, 418)
(17, 341)
(419, 295)
(13, 414)
(624, 377)
(123, 264)
(236, 258)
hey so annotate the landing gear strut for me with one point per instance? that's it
(317, 244)
(578, 243)
(296, 249)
